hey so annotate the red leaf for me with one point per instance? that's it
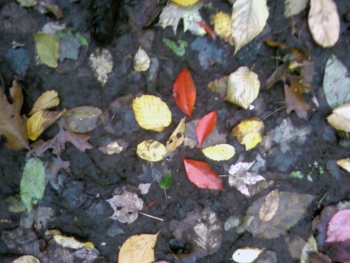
(184, 92)
(205, 126)
(202, 175)
(207, 29)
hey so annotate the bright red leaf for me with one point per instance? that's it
(202, 175)
(184, 92)
(205, 126)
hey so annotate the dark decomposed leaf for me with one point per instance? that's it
(82, 119)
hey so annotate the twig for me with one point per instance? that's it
(273, 112)
(160, 219)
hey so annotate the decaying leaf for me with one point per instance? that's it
(47, 48)
(295, 245)
(338, 227)
(53, 168)
(222, 26)
(138, 248)
(177, 137)
(184, 2)
(101, 62)
(109, 146)
(27, 3)
(340, 118)
(47, 100)
(205, 126)
(141, 61)
(126, 207)
(269, 208)
(249, 132)
(88, 254)
(151, 151)
(248, 20)
(82, 119)
(324, 22)
(294, 7)
(219, 85)
(219, 152)
(246, 255)
(243, 86)
(26, 259)
(151, 113)
(144, 188)
(71, 242)
(345, 164)
(294, 99)
(12, 126)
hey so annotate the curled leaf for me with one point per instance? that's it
(219, 152)
(82, 119)
(151, 151)
(47, 100)
(177, 137)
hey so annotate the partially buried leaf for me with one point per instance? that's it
(243, 87)
(248, 20)
(109, 146)
(202, 175)
(205, 126)
(32, 183)
(219, 85)
(324, 22)
(47, 100)
(184, 92)
(88, 254)
(126, 207)
(141, 61)
(144, 188)
(40, 121)
(26, 259)
(345, 164)
(295, 245)
(15, 204)
(151, 113)
(184, 2)
(101, 62)
(340, 118)
(270, 206)
(219, 152)
(223, 26)
(249, 132)
(166, 181)
(246, 255)
(151, 151)
(47, 48)
(82, 119)
(71, 242)
(294, 7)
(177, 137)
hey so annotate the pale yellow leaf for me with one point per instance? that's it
(246, 255)
(141, 61)
(223, 26)
(324, 22)
(151, 113)
(340, 118)
(294, 7)
(47, 48)
(269, 208)
(27, 3)
(248, 20)
(151, 151)
(249, 132)
(138, 248)
(82, 119)
(101, 62)
(40, 121)
(177, 137)
(184, 2)
(26, 259)
(219, 152)
(243, 87)
(71, 242)
(47, 100)
(345, 164)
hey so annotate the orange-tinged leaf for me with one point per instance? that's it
(202, 175)
(184, 92)
(207, 29)
(205, 126)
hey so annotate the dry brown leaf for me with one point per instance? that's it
(294, 7)
(324, 22)
(219, 85)
(177, 137)
(12, 126)
(82, 119)
(279, 74)
(269, 208)
(294, 99)
(47, 100)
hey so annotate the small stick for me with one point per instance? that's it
(273, 112)
(160, 219)
(149, 205)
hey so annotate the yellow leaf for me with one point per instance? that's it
(138, 248)
(40, 121)
(151, 151)
(248, 20)
(27, 3)
(151, 113)
(270, 206)
(101, 62)
(26, 259)
(184, 2)
(345, 164)
(220, 152)
(82, 119)
(324, 22)
(340, 118)
(71, 242)
(243, 87)
(294, 7)
(223, 26)
(141, 61)
(177, 137)
(249, 132)
(47, 100)
(47, 48)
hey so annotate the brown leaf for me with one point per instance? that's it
(280, 73)
(269, 208)
(294, 99)
(219, 85)
(12, 126)
(54, 167)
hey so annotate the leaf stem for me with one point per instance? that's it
(157, 218)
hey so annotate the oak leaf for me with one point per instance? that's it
(294, 99)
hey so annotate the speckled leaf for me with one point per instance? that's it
(82, 119)
(151, 151)
(177, 137)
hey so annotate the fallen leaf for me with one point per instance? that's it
(184, 2)
(126, 207)
(53, 168)
(32, 183)
(45, 7)
(340, 118)
(177, 137)
(27, 3)
(109, 146)
(324, 22)
(219, 85)
(344, 163)
(47, 48)
(151, 113)
(82, 119)
(89, 255)
(141, 61)
(69, 47)
(15, 204)
(249, 132)
(12, 126)
(219, 152)
(295, 245)
(338, 227)
(144, 188)
(269, 208)
(47, 100)
(223, 26)
(294, 99)
(184, 92)
(26, 259)
(243, 86)
(178, 49)
(294, 7)
(310, 247)
(101, 62)
(71, 242)
(248, 20)
(246, 255)
(202, 175)
(138, 248)
(317, 257)
(205, 126)
(151, 151)
(279, 74)
(166, 181)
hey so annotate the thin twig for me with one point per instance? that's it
(274, 112)
(150, 216)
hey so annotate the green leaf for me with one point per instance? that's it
(82, 39)
(296, 174)
(166, 181)
(178, 49)
(32, 183)
(47, 48)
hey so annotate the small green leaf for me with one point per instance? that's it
(296, 174)
(166, 181)
(32, 183)
(178, 49)
(47, 48)
(82, 39)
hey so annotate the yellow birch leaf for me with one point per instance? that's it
(345, 164)
(47, 100)
(151, 151)
(223, 26)
(220, 152)
(249, 132)
(101, 62)
(269, 208)
(71, 242)
(26, 259)
(184, 2)
(294, 7)
(177, 137)
(324, 22)
(248, 20)
(151, 113)
(138, 248)
(47, 48)
(40, 121)
(243, 87)
(141, 61)
(82, 119)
